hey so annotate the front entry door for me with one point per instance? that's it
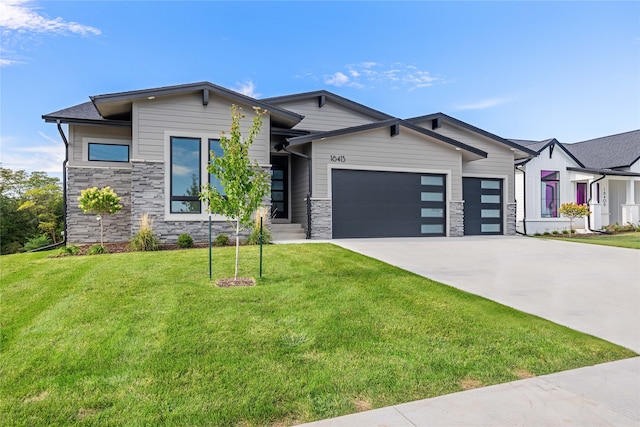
(279, 187)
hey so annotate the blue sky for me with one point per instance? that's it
(526, 70)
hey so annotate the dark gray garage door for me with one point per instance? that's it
(482, 206)
(387, 204)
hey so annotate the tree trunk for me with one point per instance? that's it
(101, 232)
(237, 245)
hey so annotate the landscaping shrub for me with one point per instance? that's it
(144, 239)
(37, 242)
(254, 237)
(97, 249)
(185, 241)
(565, 231)
(546, 233)
(555, 232)
(69, 250)
(221, 240)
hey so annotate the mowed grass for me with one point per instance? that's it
(623, 240)
(145, 339)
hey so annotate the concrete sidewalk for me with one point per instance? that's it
(590, 288)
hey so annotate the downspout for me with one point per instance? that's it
(524, 203)
(304, 156)
(64, 192)
(589, 204)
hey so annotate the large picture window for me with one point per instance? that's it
(185, 175)
(550, 193)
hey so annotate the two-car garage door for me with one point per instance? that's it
(401, 204)
(387, 204)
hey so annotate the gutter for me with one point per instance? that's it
(524, 203)
(304, 156)
(589, 204)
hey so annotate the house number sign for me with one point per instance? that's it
(337, 159)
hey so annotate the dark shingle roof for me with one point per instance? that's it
(536, 146)
(82, 113)
(609, 152)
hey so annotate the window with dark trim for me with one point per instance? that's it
(185, 175)
(581, 193)
(549, 193)
(214, 146)
(108, 152)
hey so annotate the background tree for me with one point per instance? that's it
(20, 220)
(103, 201)
(244, 183)
(573, 210)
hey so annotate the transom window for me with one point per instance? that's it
(108, 152)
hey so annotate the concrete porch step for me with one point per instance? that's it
(284, 232)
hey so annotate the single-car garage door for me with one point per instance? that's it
(387, 204)
(482, 206)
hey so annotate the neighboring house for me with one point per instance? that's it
(338, 168)
(603, 173)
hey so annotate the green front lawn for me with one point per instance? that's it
(622, 240)
(144, 339)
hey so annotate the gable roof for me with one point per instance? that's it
(540, 146)
(460, 123)
(385, 123)
(323, 96)
(608, 152)
(116, 107)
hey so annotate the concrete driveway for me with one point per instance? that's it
(594, 289)
(590, 288)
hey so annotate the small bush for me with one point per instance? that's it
(12, 248)
(537, 234)
(144, 239)
(565, 231)
(185, 241)
(97, 250)
(546, 233)
(37, 242)
(555, 232)
(221, 240)
(254, 237)
(69, 250)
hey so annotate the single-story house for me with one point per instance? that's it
(338, 168)
(603, 173)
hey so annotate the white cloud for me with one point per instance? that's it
(483, 104)
(45, 157)
(337, 79)
(247, 88)
(370, 74)
(21, 16)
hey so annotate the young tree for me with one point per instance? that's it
(244, 183)
(573, 210)
(100, 202)
(46, 203)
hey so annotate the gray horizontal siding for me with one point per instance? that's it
(327, 117)
(377, 149)
(499, 161)
(78, 132)
(185, 113)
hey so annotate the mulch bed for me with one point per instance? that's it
(231, 282)
(117, 248)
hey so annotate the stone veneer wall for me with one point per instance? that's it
(84, 228)
(456, 219)
(321, 219)
(511, 219)
(148, 196)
